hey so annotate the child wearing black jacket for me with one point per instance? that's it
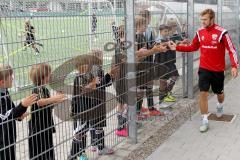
(168, 60)
(145, 70)
(9, 113)
(88, 108)
(41, 125)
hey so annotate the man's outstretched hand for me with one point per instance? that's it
(185, 42)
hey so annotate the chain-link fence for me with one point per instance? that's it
(96, 70)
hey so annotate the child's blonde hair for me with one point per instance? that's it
(121, 31)
(96, 52)
(84, 61)
(39, 72)
(145, 13)
(5, 71)
(140, 21)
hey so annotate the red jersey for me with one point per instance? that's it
(212, 41)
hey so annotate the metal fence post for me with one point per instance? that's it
(130, 36)
(219, 12)
(90, 7)
(190, 10)
(184, 75)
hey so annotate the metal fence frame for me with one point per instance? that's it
(187, 64)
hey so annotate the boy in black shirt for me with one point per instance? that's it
(9, 113)
(119, 60)
(168, 59)
(41, 125)
(148, 39)
(145, 66)
(88, 108)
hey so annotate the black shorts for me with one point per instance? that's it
(171, 71)
(30, 40)
(210, 78)
(84, 126)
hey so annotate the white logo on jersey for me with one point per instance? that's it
(209, 47)
(214, 37)
(203, 38)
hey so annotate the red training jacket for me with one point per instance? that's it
(212, 42)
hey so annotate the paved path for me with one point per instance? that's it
(221, 142)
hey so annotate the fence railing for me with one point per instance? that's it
(96, 70)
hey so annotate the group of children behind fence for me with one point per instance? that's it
(88, 112)
(156, 63)
(88, 102)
